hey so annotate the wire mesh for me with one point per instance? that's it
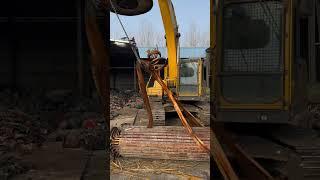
(260, 59)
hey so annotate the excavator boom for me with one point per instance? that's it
(172, 38)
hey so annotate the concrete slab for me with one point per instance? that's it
(54, 162)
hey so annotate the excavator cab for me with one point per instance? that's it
(261, 59)
(190, 83)
(190, 79)
(253, 72)
(183, 76)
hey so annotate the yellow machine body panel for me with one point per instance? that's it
(156, 90)
(251, 69)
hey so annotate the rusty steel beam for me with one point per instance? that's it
(250, 167)
(160, 142)
(192, 119)
(143, 92)
(99, 58)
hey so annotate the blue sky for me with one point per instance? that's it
(187, 12)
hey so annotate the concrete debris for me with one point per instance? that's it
(27, 120)
(58, 108)
(120, 99)
(314, 110)
(52, 101)
(11, 166)
(18, 131)
(92, 139)
(72, 139)
(309, 118)
(123, 120)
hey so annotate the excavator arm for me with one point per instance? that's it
(172, 39)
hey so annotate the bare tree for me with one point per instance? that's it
(160, 40)
(192, 37)
(146, 34)
(204, 39)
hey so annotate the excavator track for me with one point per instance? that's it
(286, 151)
(204, 114)
(158, 112)
(310, 161)
(306, 144)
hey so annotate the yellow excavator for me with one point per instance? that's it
(185, 77)
(182, 75)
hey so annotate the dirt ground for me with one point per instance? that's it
(134, 168)
(53, 161)
(139, 168)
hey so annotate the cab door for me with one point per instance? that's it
(189, 79)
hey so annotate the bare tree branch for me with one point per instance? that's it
(192, 36)
(146, 34)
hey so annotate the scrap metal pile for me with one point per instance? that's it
(120, 99)
(18, 131)
(11, 166)
(52, 109)
(162, 142)
(314, 113)
(27, 120)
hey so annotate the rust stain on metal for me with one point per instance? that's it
(99, 60)
(193, 120)
(160, 142)
(143, 92)
(249, 166)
